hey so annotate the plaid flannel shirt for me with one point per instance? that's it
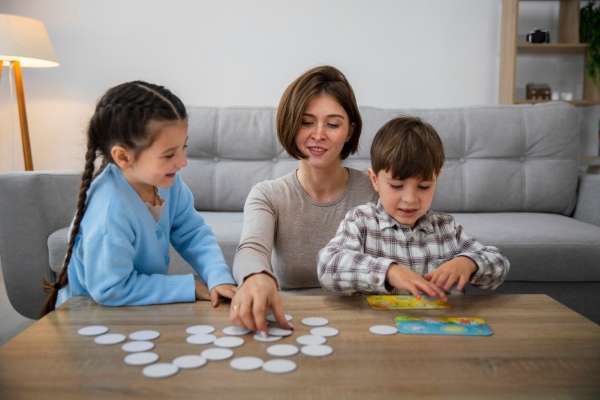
(368, 240)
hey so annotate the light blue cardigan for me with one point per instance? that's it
(121, 254)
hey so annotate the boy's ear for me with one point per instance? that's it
(374, 180)
(121, 156)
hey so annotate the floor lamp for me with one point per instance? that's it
(24, 42)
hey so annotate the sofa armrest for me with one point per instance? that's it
(587, 208)
(32, 205)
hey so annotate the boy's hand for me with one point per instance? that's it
(402, 277)
(458, 269)
(202, 293)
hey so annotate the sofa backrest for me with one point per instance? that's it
(498, 158)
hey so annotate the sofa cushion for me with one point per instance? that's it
(540, 247)
(227, 227)
(499, 158)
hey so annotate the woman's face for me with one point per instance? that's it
(324, 130)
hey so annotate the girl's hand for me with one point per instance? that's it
(458, 269)
(249, 306)
(402, 277)
(221, 291)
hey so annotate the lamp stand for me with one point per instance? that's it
(16, 67)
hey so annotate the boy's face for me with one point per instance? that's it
(405, 200)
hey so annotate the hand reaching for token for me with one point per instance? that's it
(217, 293)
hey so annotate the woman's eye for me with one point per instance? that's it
(169, 155)
(306, 123)
(333, 126)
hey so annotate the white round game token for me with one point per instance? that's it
(201, 338)
(189, 361)
(324, 331)
(229, 341)
(197, 329)
(383, 330)
(315, 321)
(282, 350)
(317, 350)
(144, 335)
(160, 370)
(259, 337)
(279, 332)
(246, 363)
(93, 330)
(110, 338)
(235, 330)
(137, 346)
(311, 339)
(279, 366)
(217, 354)
(271, 317)
(141, 358)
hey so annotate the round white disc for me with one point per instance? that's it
(141, 358)
(311, 339)
(137, 346)
(279, 366)
(144, 335)
(279, 332)
(315, 321)
(189, 361)
(246, 363)
(282, 350)
(197, 329)
(229, 341)
(266, 338)
(217, 353)
(160, 370)
(201, 338)
(110, 338)
(317, 350)
(235, 330)
(271, 317)
(324, 331)
(93, 330)
(383, 330)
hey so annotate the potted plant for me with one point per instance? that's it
(589, 32)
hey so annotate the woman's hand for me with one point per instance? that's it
(202, 293)
(249, 306)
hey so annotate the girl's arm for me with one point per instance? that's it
(195, 241)
(343, 266)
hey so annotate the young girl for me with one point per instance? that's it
(134, 205)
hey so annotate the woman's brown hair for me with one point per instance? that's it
(121, 117)
(319, 80)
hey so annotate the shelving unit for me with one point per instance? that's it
(568, 43)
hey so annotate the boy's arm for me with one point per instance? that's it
(492, 266)
(195, 241)
(343, 266)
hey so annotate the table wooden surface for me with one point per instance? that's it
(540, 349)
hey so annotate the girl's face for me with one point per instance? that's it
(324, 130)
(157, 165)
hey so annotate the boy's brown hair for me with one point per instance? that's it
(407, 147)
(319, 80)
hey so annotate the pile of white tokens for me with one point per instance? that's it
(222, 348)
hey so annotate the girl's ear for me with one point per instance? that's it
(121, 156)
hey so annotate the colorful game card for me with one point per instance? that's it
(405, 302)
(449, 326)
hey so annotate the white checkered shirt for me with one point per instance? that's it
(368, 240)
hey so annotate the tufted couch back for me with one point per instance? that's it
(498, 158)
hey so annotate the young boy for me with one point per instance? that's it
(399, 243)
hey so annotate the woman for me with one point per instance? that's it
(289, 219)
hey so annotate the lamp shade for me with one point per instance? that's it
(25, 40)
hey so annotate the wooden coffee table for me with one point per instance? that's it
(540, 349)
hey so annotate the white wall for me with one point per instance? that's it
(396, 53)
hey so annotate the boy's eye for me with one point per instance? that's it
(396, 186)
(424, 187)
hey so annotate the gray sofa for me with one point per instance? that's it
(511, 178)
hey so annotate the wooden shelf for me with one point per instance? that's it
(552, 48)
